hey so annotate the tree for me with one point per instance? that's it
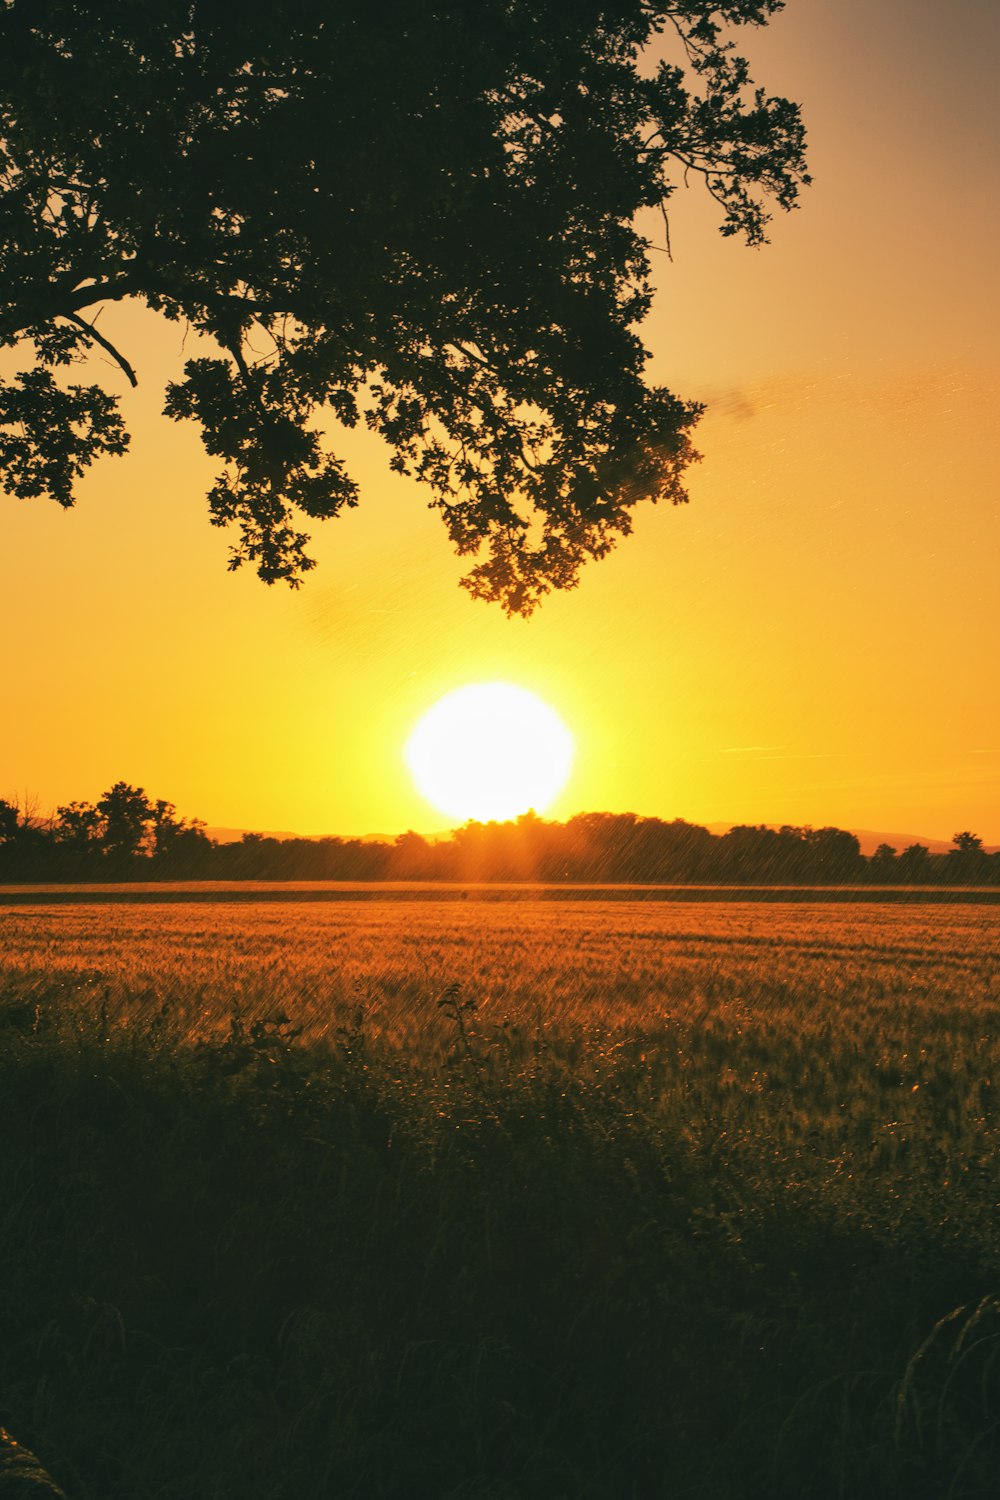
(127, 818)
(78, 825)
(420, 216)
(23, 839)
(10, 821)
(177, 844)
(968, 861)
(833, 854)
(124, 827)
(915, 863)
(411, 857)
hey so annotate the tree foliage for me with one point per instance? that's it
(125, 827)
(127, 835)
(420, 216)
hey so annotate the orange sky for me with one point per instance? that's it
(814, 639)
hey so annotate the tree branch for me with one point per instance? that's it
(471, 354)
(106, 345)
(100, 291)
(666, 227)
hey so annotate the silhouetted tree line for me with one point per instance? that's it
(128, 836)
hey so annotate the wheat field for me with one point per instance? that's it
(865, 1025)
(618, 962)
(502, 1199)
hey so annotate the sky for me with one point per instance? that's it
(815, 639)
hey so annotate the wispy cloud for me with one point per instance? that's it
(751, 749)
(775, 752)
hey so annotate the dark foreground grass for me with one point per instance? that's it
(517, 1265)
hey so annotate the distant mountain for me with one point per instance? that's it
(233, 835)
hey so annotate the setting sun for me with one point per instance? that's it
(490, 751)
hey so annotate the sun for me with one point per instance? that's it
(490, 751)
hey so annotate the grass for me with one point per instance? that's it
(519, 1200)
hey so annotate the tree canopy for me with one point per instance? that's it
(419, 215)
(126, 835)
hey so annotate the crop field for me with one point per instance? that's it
(509, 1198)
(632, 965)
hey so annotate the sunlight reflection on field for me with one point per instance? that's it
(832, 1051)
(610, 964)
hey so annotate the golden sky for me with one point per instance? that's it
(815, 639)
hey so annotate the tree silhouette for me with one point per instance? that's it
(10, 821)
(127, 835)
(914, 862)
(125, 829)
(77, 827)
(968, 861)
(126, 814)
(419, 217)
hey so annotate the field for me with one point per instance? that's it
(518, 1198)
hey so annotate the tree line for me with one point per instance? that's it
(127, 835)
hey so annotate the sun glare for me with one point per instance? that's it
(490, 751)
